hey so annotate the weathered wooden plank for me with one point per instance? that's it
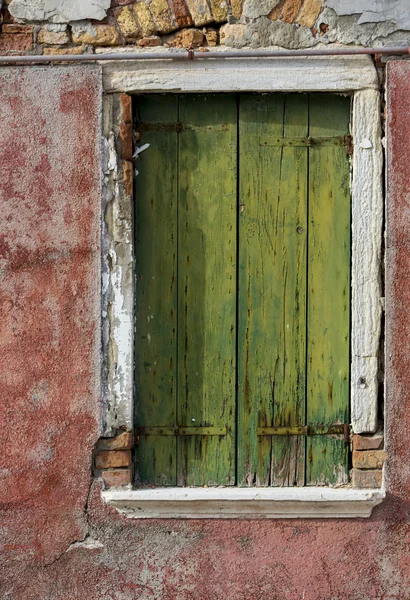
(271, 313)
(288, 454)
(329, 290)
(207, 287)
(156, 291)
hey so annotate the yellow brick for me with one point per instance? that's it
(62, 51)
(200, 12)
(144, 19)
(127, 23)
(368, 459)
(99, 35)
(309, 13)
(162, 16)
(219, 10)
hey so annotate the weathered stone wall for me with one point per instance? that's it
(74, 27)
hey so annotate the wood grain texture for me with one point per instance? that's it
(207, 287)
(272, 279)
(328, 326)
(156, 290)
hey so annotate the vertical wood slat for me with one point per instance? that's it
(207, 287)
(329, 290)
(272, 279)
(156, 290)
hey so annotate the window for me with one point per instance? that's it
(353, 76)
(242, 245)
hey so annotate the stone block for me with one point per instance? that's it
(219, 9)
(63, 11)
(212, 37)
(117, 477)
(62, 51)
(236, 8)
(233, 34)
(368, 442)
(120, 442)
(96, 35)
(52, 37)
(309, 13)
(113, 459)
(144, 19)
(17, 42)
(200, 12)
(162, 16)
(369, 478)
(127, 23)
(180, 12)
(291, 10)
(368, 459)
(190, 38)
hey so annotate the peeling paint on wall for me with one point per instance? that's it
(374, 11)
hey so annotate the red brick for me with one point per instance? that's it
(117, 477)
(128, 174)
(152, 40)
(367, 478)
(112, 459)
(181, 12)
(368, 459)
(126, 127)
(368, 442)
(16, 28)
(121, 442)
(18, 42)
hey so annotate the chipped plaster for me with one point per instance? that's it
(58, 11)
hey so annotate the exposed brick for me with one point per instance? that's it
(181, 12)
(16, 28)
(368, 442)
(309, 13)
(219, 10)
(18, 42)
(98, 35)
(117, 477)
(120, 442)
(112, 459)
(62, 51)
(126, 128)
(6, 16)
(291, 10)
(128, 174)
(162, 16)
(367, 479)
(368, 459)
(144, 19)
(127, 23)
(152, 40)
(200, 12)
(190, 37)
(52, 37)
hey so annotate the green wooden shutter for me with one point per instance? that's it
(242, 289)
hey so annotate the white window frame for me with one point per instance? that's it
(351, 75)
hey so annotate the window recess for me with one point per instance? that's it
(242, 246)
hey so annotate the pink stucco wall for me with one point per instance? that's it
(50, 344)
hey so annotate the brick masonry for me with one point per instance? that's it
(368, 459)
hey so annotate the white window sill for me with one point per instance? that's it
(244, 503)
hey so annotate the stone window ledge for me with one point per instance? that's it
(244, 503)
